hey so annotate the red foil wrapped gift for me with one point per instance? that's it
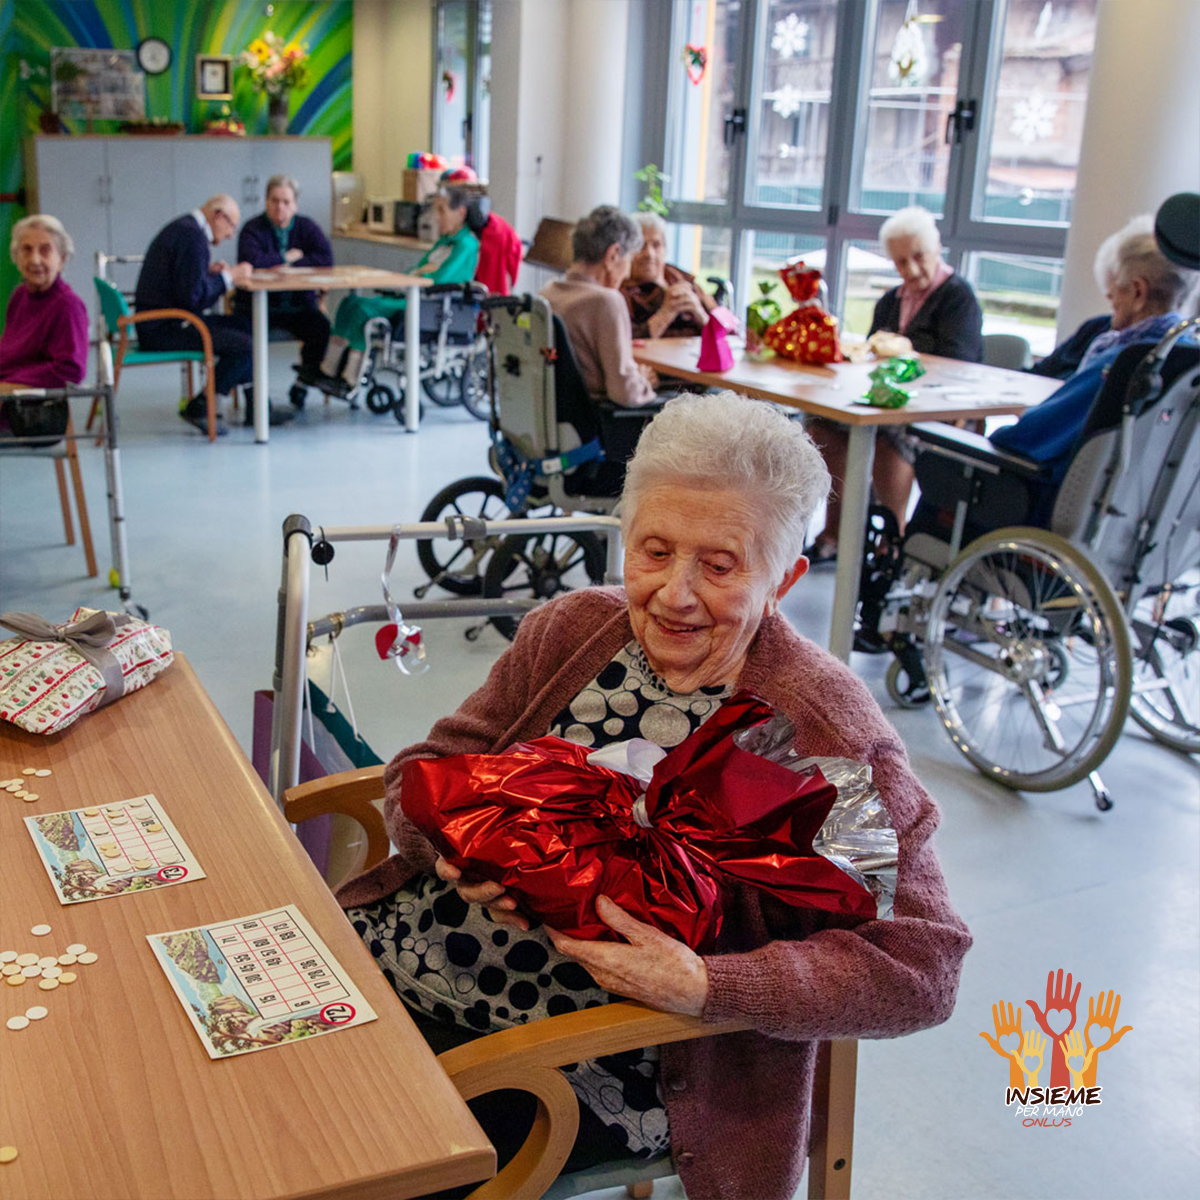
(558, 831)
(808, 334)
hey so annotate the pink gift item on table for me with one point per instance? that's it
(715, 354)
(51, 675)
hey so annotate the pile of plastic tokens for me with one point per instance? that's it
(21, 787)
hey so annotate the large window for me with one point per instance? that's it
(795, 127)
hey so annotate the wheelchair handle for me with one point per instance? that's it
(514, 304)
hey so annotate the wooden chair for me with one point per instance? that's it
(527, 1057)
(119, 320)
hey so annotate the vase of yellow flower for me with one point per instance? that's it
(276, 68)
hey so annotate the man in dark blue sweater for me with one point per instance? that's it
(178, 272)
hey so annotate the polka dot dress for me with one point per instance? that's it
(452, 961)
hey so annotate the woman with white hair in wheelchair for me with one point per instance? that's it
(663, 300)
(716, 501)
(936, 310)
(451, 259)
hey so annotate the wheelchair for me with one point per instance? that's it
(454, 354)
(554, 450)
(1069, 607)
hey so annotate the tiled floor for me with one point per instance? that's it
(1045, 881)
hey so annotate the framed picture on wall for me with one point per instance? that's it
(214, 76)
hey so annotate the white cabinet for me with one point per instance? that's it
(115, 193)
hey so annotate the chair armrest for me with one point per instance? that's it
(964, 444)
(526, 1057)
(167, 314)
(349, 793)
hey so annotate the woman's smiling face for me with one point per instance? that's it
(698, 582)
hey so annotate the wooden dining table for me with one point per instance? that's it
(328, 279)
(950, 390)
(112, 1094)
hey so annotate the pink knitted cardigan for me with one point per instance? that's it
(738, 1104)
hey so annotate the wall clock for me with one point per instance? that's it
(154, 55)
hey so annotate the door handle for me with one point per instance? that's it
(962, 119)
(735, 124)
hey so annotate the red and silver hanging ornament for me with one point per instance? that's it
(695, 60)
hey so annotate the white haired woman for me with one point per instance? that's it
(663, 300)
(936, 310)
(45, 339)
(715, 503)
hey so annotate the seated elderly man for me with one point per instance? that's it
(282, 237)
(451, 259)
(178, 272)
(663, 300)
(714, 509)
(594, 312)
(936, 310)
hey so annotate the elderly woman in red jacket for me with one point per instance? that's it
(715, 505)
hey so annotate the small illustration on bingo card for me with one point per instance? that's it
(111, 850)
(259, 981)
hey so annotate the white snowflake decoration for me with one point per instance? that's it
(786, 151)
(1033, 119)
(909, 62)
(791, 36)
(786, 101)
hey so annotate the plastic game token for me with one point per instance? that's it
(23, 960)
(40, 930)
(14, 980)
(91, 812)
(47, 960)
(8, 956)
(21, 794)
(113, 810)
(29, 770)
(110, 853)
(67, 960)
(10, 969)
(37, 1012)
(47, 985)
(119, 867)
(89, 956)
(73, 948)
(32, 971)
(51, 972)
(141, 863)
(30, 797)
(67, 977)
(120, 820)
(17, 1022)
(7, 1153)
(170, 858)
(43, 773)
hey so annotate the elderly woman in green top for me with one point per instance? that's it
(452, 259)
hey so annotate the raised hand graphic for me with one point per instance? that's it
(1033, 1056)
(1007, 1042)
(1056, 1022)
(1077, 1060)
(1102, 1016)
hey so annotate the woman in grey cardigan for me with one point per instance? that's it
(716, 502)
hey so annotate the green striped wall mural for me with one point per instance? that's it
(29, 29)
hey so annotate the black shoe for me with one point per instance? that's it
(868, 641)
(277, 416)
(308, 375)
(196, 415)
(297, 396)
(334, 385)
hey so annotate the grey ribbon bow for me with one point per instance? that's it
(89, 637)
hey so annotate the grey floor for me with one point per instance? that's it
(1045, 881)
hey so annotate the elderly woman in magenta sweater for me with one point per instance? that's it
(715, 506)
(45, 339)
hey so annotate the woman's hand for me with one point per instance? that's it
(654, 967)
(295, 254)
(491, 895)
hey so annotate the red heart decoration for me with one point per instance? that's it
(385, 635)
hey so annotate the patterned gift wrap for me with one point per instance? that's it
(45, 686)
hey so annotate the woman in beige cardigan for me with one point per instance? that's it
(716, 503)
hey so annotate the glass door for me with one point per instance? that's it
(462, 83)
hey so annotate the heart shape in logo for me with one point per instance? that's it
(1098, 1035)
(1010, 1042)
(1031, 1062)
(1075, 1062)
(1058, 1019)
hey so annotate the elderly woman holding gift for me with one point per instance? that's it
(715, 503)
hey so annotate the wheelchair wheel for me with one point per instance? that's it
(380, 399)
(458, 566)
(444, 390)
(542, 565)
(475, 392)
(1166, 664)
(1027, 655)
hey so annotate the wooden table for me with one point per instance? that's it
(325, 279)
(949, 391)
(112, 1094)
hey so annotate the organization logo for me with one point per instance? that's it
(1052, 1068)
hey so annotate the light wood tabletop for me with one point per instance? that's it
(112, 1094)
(949, 390)
(324, 279)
